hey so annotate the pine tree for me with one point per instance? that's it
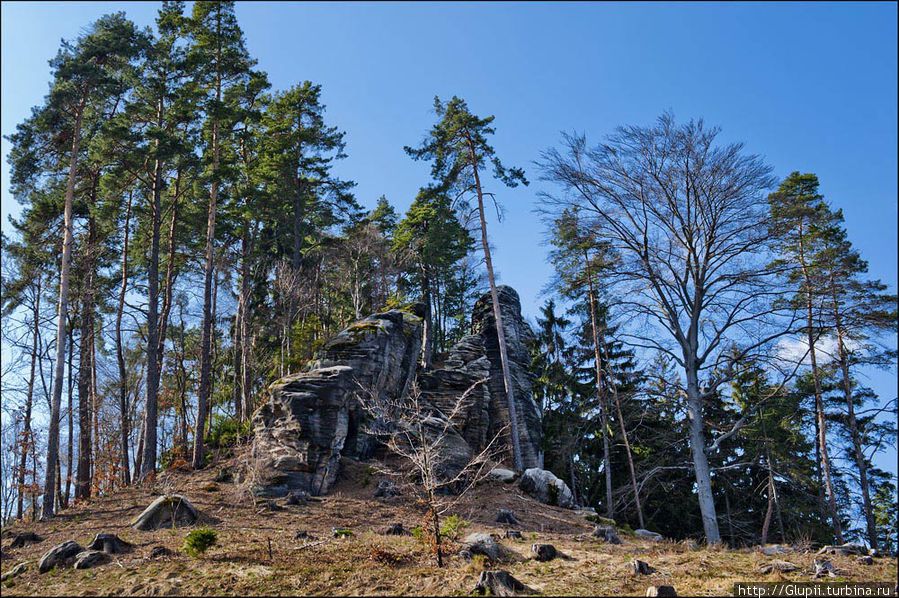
(458, 146)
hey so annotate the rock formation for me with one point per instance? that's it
(313, 418)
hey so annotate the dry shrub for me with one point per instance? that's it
(385, 556)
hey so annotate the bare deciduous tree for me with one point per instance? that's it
(419, 433)
(687, 218)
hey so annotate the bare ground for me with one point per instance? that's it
(369, 563)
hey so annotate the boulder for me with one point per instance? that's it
(61, 555)
(23, 539)
(850, 548)
(778, 566)
(500, 474)
(641, 567)
(866, 560)
(110, 544)
(544, 552)
(606, 533)
(774, 549)
(648, 535)
(547, 488)
(508, 517)
(90, 558)
(661, 591)
(514, 534)
(386, 489)
(483, 544)
(824, 568)
(500, 583)
(167, 511)
(17, 570)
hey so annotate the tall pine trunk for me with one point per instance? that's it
(819, 400)
(85, 398)
(47, 510)
(600, 398)
(120, 354)
(860, 462)
(498, 316)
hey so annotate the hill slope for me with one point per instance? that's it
(368, 562)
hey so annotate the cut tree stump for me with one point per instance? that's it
(500, 583)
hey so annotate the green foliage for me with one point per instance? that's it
(418, 533)
(227, 432)
(200, 540)
(451, 527)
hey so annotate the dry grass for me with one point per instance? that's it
(369, 563)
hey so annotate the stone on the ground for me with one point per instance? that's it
(847, 549)
(24, 538)
(606, 533)
(824, 568)
(514, 534)
(271, 506)
(547, 488)
(507, 516)
(866, 560)
(60, 556)
(648, 535)
(641, 567)
(303, 535)
(110, 544)
(297, 497)
(90, 558)
(159, 551)
(396, 529)
(225, 475)
(661, 591)
(17, 570)
(544, 552)
(874, 552)
(774, 549)
(167, 511)
(779, 566)
(501, 474)
(500, 583)
(386, 489)
(478, 543)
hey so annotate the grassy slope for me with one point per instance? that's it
(369, 563)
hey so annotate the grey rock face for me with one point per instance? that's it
(60, 555)
(518, 335)
(547, 488)
(483, 544)
(500, 474)
(171, 510)
(661, 591)
(314, 418)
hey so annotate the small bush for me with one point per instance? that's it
(452, 526)
(200, 540)
(367, 474)
(418, 532)
(226, 432)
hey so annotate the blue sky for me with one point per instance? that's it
(811, 87)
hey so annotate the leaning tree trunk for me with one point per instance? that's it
(517, 459)
(27, 438)
(47, 510)
(819, 401)
(603, 408)
(630, 457)
(860, 461)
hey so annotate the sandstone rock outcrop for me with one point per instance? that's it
(313, 418)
